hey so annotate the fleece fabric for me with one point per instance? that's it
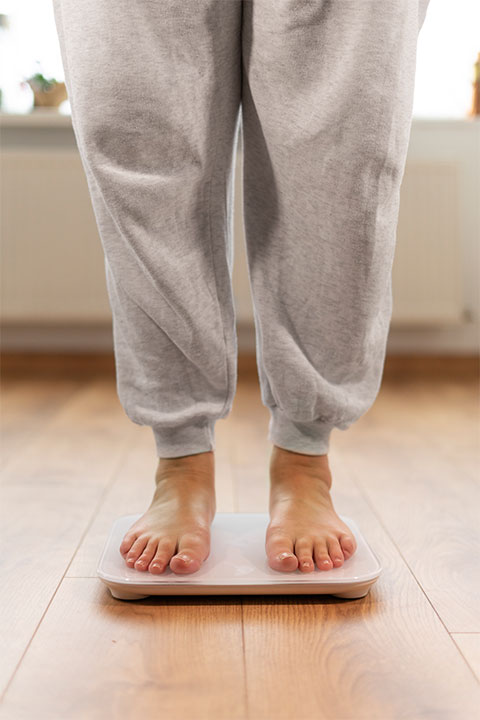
(320, 93)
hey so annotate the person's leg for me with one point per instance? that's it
(326, 109)
(155, 95)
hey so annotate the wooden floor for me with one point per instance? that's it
(408, 472)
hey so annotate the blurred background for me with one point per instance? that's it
(53, 294)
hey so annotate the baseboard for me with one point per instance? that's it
(87, 364)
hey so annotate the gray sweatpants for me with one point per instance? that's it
(322, 91)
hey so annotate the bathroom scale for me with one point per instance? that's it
(237, 565)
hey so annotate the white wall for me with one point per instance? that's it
(53, 285)
(447, 48)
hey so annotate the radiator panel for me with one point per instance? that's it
(427, 268)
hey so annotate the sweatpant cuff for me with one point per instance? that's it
(311, 438)
(190, 439)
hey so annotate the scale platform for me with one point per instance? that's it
(237, 565)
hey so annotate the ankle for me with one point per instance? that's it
(199, 463)
(185, 489)
(289, 468)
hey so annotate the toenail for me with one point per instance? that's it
(305, 563)
(326, 562)
(284, 555)
(185, 558)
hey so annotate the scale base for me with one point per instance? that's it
(237, 565)
(120, 594)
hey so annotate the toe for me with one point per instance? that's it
(162, 557)
(192, 551)
(322, 558)
(147, 555)
(348, 545)
(335, 551)
(136, 550)
(127, 542)
(304, 553)
(280, 553)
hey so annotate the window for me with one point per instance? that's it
(447, 49)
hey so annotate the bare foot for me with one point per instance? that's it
(175, 530)
(304, 528)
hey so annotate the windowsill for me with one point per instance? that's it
(45, 117)
(51, 117)
(446, 120)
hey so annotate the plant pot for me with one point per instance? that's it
(49, 98)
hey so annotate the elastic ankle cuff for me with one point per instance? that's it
(311, 438)
(189, 439)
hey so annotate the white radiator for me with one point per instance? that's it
(427, 268)
(52, 261)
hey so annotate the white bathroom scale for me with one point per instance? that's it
(237, 565)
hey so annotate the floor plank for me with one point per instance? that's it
(250, 448)
(407, 472)
(395, 621)
(25, 405)
(383, 657)
(469, 644)
(424, 495)
(49, 493)
(129, 492)
(95, 657)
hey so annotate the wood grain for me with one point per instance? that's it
(416, 458)
(469, 644)
(382, 657)
(407, 472)
(95, 657)
(49, 493)
(25, 406)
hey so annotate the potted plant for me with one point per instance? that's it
(47, 92)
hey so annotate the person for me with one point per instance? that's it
(322, 92)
